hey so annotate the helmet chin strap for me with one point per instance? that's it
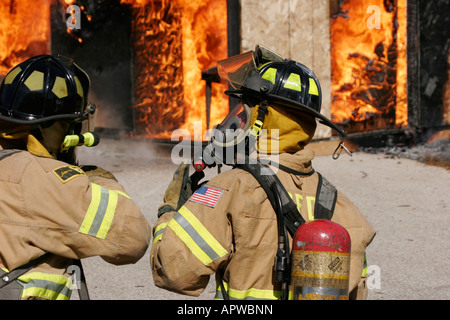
(255, 128)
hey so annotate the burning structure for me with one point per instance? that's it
(383, 64)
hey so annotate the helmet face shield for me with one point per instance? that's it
(237, 69)
(243, 69)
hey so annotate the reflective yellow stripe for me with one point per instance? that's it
(310, 201)
(189, 242)
(250, 294)
(270, 74)
(46, 286)
(100, 214)
(196, 237)
(313, 87)
(60, 88)
(109, 215)
(92, 210)
(364, 272)
(79, 87)
(12, 75)
(35, 81)
(294, 82)
(122, 194)
(157, 235)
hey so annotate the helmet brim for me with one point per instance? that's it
(242, 72)
(68, 117)
(271, 98)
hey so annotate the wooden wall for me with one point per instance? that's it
(295, 29)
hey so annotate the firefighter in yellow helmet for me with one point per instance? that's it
(229, 225)
(53, 212)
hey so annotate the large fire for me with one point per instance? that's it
(368, 56)
(173, 42)
(24, 31)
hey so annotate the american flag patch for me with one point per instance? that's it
(207, 195)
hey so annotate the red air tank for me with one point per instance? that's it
(320, 261)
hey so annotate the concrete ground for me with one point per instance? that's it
(407, 202)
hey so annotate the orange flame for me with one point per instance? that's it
(173, 42)
(369, 63)
(24, 31)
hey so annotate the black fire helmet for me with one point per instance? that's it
(264, 75)
(44, 88)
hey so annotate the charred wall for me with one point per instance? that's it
(428, 47)
(103, 48)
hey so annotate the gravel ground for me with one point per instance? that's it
(406, 200)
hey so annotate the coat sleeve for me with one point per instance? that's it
(75, 217)
(189, 245)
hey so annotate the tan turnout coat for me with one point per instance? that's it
(236, 237)
(50, 206)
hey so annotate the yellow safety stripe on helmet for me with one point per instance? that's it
(196, 237)
(249, 294)
(313, 87)
(35, 81)
(60, 88)
(46, 286)
(79, 87)
(101, 211)
(270, 74)
(12, 75)
(294, 82)
(159, 230)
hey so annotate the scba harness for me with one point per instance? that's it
(288, 216)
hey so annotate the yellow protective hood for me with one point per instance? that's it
(19, 136)
(284, 131)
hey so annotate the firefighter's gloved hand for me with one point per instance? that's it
(178, 191)
(95, 173)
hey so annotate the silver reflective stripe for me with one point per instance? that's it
(57, 288)
(198, 239)
(103, 205)
(158, 232)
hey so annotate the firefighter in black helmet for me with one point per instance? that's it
(260, 79)
(229, 225)
(54, 213)
(48, 92)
